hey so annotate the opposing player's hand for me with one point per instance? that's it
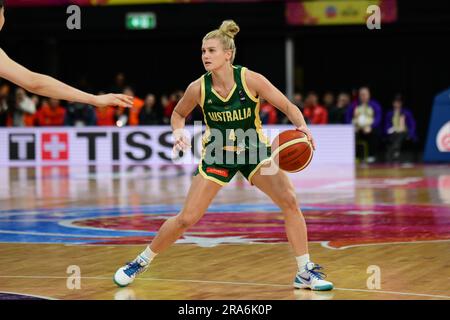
(114, 100)
(306, 131)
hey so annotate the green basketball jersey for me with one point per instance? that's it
(236, 117)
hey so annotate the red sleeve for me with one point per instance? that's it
(324, 116)
(169, 109)
(273, 116)
(306, 112)
(9, 120)
(60, 118)
(41, 117)
(139, 103)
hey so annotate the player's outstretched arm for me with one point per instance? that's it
(184, 107)
(49, 87)
(269, 92)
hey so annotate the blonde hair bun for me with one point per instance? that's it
(230, 28)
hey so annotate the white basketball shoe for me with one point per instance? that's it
(310, 277)
(126, 274)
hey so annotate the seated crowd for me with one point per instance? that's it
(18, 109)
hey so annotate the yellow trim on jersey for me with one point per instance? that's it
(258, 126)
(244, 83)
(288, 144)
(200, 169)
(229, 95)
(207, 131)
(202, 90)
(250, 176)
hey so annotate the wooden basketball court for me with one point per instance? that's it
(384, 223)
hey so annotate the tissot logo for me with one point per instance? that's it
(143, 145)
(22, 146)
(55, 146)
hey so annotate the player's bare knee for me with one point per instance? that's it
(187, 218)
(289, 203)
(185, 222)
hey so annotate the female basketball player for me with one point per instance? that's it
(225, 88)
(46, 86)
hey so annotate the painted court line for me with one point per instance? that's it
(285, 285)
(28, 295)
(239, 283)
(325, 244)
(53, 234)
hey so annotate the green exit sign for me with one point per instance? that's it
(140, 21)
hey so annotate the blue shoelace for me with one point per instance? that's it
(315, 272)
(133, 268)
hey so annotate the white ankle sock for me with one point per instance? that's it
(148, 254)
(302, 261)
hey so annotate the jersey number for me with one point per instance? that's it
(232, 136)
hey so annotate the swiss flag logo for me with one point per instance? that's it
(55, 146)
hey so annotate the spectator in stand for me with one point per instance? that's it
(130, 116)
(298, 101)
(169, 105)
(354, 96)
(119, 83)
(364, 98)
(337, 114)
(315, 113)
(36, 100)
(164, 100)
(196, 115)
(80, 115)
(268, 113)
(51, 114)
(24, 110)
(106, 116)
(150, 113)
(328, 100)
(400, 126)
(366, 118)
(179, 94)
(4, 104)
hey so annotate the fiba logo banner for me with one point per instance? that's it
(437, 148)
(443, 138)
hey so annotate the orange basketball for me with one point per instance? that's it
(292, 150)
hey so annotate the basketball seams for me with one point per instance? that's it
(295, 155)
(291, 143)
(304, 166)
